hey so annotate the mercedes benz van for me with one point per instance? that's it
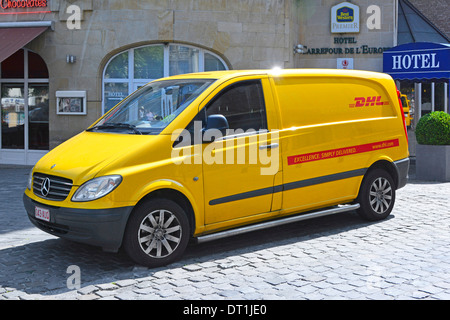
(210, 155)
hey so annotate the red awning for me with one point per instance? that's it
(13, 39)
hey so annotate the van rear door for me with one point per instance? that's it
(329, 137)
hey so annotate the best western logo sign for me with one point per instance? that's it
(345, 14)
(345, 18)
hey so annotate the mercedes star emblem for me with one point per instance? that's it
(45, 187)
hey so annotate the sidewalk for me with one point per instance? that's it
(406, 256)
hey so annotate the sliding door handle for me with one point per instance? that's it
(269, 146)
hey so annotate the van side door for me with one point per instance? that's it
(239, 167)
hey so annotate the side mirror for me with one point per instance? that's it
(217, 121)
(215, 124)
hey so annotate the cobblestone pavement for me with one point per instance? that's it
(406, 256)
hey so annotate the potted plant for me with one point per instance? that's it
(433, 149)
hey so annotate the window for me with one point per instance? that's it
(132, 69)
(24, 102)
(212, 63)
(183, 60)
(151, 109)
(243, 106)
(148, 62)
(440, 96)
(38, 133)
(426, 98)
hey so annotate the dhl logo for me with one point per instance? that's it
(368, 102)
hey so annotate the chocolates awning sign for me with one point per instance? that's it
(15, 6)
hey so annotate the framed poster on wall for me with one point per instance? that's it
(71, 102)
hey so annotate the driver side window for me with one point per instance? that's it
(242, 104)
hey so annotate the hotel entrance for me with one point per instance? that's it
(423, 72)
(24, 114)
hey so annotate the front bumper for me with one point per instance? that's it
(99, 227)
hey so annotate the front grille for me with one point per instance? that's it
(51, 187)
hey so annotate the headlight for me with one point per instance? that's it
(30, 179)
(96, 188)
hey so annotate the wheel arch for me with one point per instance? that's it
(387, 166)
(171, 193)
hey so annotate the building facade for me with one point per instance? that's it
(65, 63)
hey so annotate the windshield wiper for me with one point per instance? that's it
(111, 125)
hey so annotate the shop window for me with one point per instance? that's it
(426, 99)
(24, 119)
(212, 63)
(183, 60)
(36, 66)
(38, 134)
(149, 62)
(131, 69)
(118, 67)
(440, 94)
(114, 92)
(13, 67)
(13, 116)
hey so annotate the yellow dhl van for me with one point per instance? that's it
(406, 109)
(215, 154)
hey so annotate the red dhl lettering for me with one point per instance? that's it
(341, 152)
(368, 102)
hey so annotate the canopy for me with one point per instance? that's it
(418, 61)
(12, 39)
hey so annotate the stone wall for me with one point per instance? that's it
(245, 33)
(315, 33)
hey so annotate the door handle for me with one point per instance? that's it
(269, 146)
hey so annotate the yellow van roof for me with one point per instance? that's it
(283, 73)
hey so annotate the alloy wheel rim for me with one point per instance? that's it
(159, 234)
(380, 195)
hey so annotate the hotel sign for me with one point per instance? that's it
(420, 60)
(345, 18)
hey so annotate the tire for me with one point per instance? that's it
(376, 196)
(157, 233)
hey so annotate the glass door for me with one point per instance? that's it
(38, 130)
(24, 108)
(13, 116)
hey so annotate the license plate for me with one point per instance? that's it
(42, 214)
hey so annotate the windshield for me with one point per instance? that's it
(151, 108)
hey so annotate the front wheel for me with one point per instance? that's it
(157, 233)
(376, 196)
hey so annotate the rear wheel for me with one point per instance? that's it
(157, 233)
(377, 195)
